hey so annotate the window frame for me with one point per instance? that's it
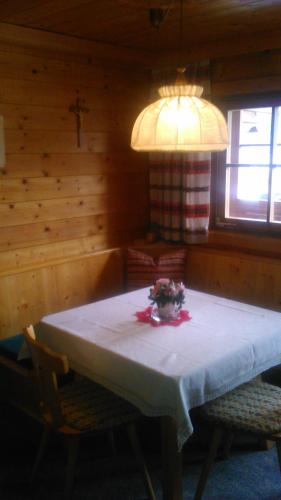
(218, 178)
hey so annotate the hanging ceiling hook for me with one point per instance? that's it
(158, 15)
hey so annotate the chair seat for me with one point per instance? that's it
(88, 406)
(253, 407)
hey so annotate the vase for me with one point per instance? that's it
(168, 311)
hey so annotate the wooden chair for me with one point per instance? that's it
(18, 386)
(254, 407)
(78, 409)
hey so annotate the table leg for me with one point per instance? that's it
(172, 461)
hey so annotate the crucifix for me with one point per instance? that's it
(78, 109)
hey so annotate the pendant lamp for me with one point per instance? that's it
(180, 121)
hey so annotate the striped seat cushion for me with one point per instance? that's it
(143, 270)
(253, 407)
(88, 406)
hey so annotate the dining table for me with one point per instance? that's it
(164, 369)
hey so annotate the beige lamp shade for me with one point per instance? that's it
(180, 121)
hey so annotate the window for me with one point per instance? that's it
(249, 174)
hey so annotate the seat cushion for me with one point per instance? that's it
(143, 270)
(253, 407)
(11, 346)
(88, 406)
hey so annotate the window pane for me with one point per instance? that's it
(276, 195)
(255, 126)
(250, 133)
(254, 155)
(277, 138)
(252, 171)
(252, 183)
(247, 193)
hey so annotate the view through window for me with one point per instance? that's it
(253, 165)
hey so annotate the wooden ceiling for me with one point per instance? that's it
(125, 23)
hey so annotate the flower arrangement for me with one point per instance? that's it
(166, 291)
(169, 297)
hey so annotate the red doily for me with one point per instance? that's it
(146, 317)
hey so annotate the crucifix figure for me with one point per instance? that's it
(78, 111)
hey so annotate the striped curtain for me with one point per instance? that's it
(180, 196)
(180, 182)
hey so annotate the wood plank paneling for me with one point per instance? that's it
(250, 66)
(247, 74)
(215, 29)
(247, 242)
(247, 86)
(27, 296)
(40, 233)
(42, 118)
(64, 142)
(60, 204)
(34, 188)
(65, 46)
(39, 188)
(61, 94)
(85, 72)
(14, 214)
(268, 39)
(248, 278)
(125, 23)
(15, 261)
(50, 165)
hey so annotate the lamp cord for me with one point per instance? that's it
(180, 62)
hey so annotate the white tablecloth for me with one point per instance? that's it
(167, 370)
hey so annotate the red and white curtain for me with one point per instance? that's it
(180, 182)
(180, 196)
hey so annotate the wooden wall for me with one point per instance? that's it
(235, 274)
(63, 210)
(59, 202)
(236, 266)
(246, 267)
(29, 294)
(246, 74)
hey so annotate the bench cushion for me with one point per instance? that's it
(143, 269)
(11, 346)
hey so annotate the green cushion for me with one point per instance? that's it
(11, 346)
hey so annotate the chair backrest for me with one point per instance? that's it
(48, 364)
(18, 386)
